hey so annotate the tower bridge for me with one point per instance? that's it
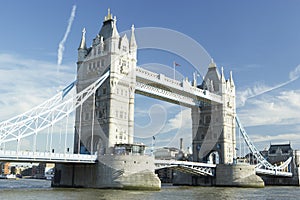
(104, 153)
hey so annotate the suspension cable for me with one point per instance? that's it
(93, 123)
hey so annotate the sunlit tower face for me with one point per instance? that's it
(107, 118)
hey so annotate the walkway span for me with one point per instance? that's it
(196, 168)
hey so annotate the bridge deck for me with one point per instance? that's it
(273, 173)
(25, 156)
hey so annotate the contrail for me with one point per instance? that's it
(61, 46)
(251, 93)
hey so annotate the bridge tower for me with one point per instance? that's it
(213, 125)
(107, 118)
(104, 124)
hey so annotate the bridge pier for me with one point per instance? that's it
(237, 175)
(112, 171)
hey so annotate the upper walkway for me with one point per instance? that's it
(180, 92)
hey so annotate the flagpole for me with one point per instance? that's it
(174, 70)
(152, 147)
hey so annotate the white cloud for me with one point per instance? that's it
(150, 122)
(274, 138)
(260, 88)
(25, 83)
(182, 120)
(181, 127)
(279, 109)
(167, 130)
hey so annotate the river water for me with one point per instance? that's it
(24, 189)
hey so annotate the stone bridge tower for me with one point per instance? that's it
(214, 138)
(107, 118)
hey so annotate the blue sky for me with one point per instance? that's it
(258, 40)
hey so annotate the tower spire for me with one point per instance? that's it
(82, 42)
(132, 38)
(231, 79)
(109, 16)
(212, 64)
(222, 75)
(114, 27)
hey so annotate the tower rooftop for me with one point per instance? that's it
(106, 30)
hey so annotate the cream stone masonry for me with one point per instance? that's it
(107, 118)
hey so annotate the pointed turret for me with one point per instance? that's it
(194, 79)
(212, 64)
(108, 16)
(82, 50)
(107, 28)
(132, 43)
(115, 33)
(212, 74)
(222, 75)
(223, 81)
(82, 42)
(231, 79)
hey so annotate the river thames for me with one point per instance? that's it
(24, 189)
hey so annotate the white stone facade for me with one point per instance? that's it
(107, 118)
(112, 121)
(214, 124)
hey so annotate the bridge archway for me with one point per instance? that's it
(214, 157)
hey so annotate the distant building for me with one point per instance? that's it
(279, 153)
(170, 153)
(166, 153)
(36, 171)
(5, 168)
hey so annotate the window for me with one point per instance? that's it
(103, 113)
(123, 63)
(121, 114)
(102, 63)
(124, 48)
(207, 119)
(104, 91)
